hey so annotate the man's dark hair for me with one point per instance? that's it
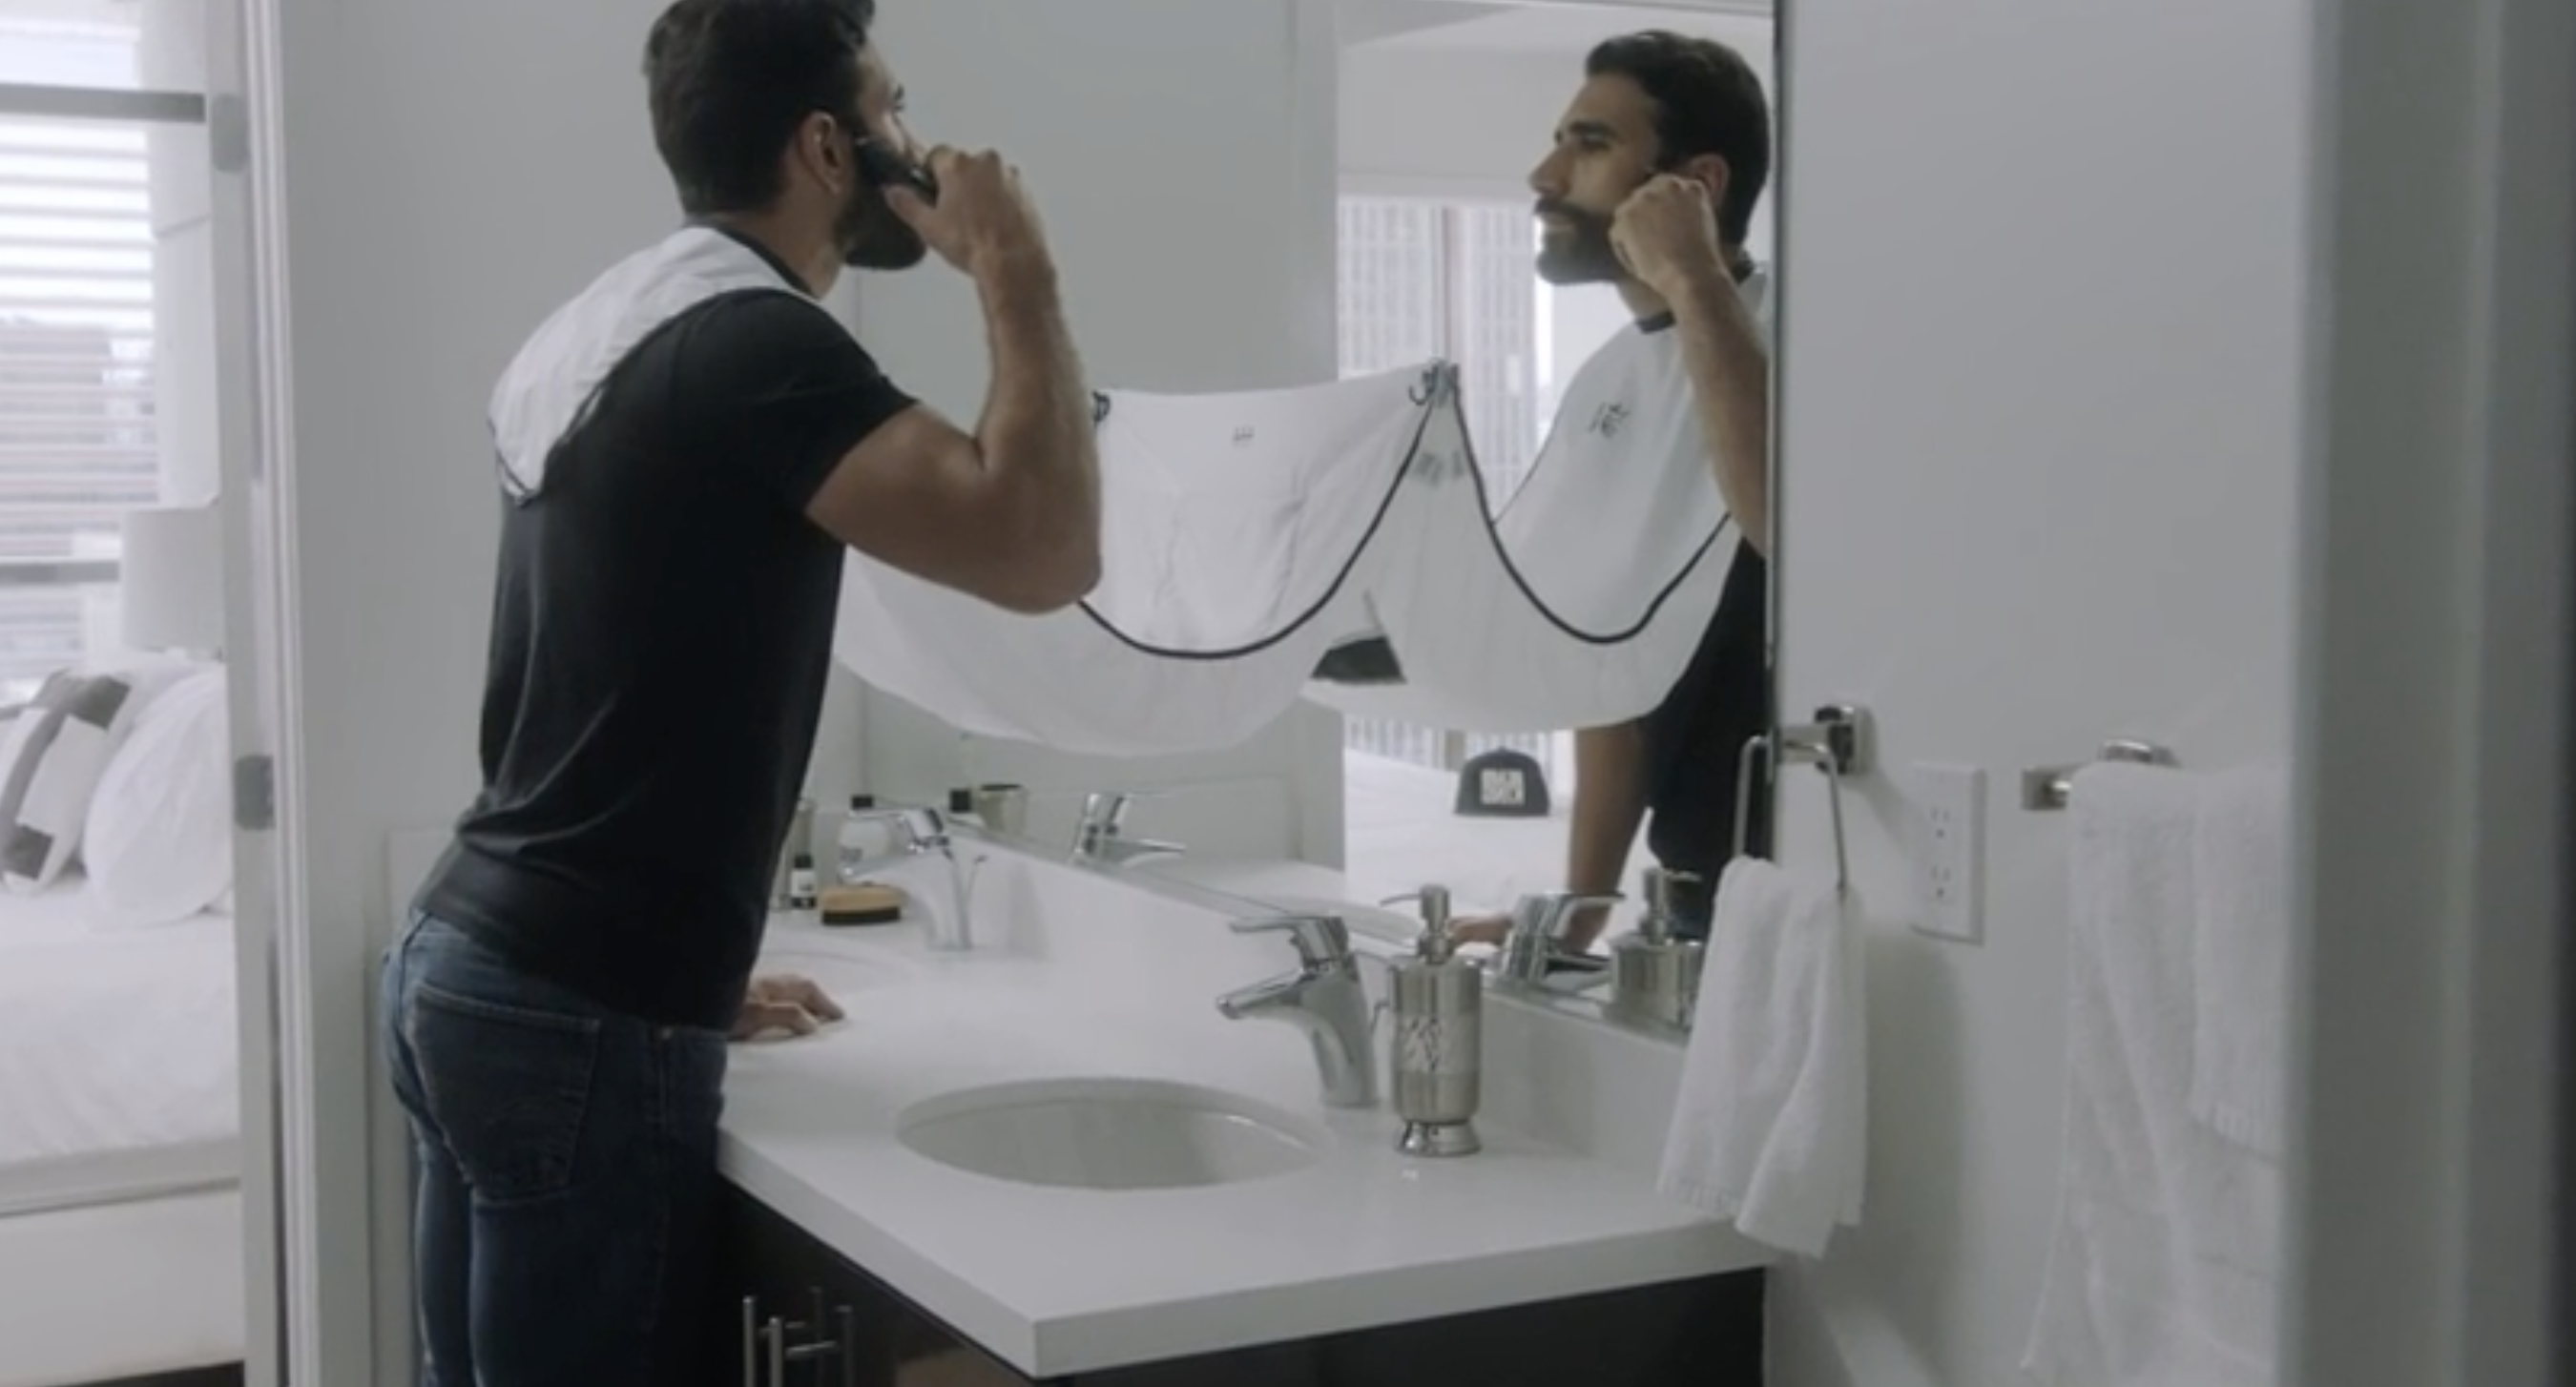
(731, 80)
(1707, 101)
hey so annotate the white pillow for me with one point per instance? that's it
(158, 843)
(54, 754)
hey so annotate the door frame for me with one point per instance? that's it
(2429, 1098)
(281, 1131)
(216, 108)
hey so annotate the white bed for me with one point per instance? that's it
(120, 1212)
(120, 1064)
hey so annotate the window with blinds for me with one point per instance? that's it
(1422, 279)
(78, 440)
(1454, 280)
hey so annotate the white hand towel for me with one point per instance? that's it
(2164, 1264)
(2240, 955)
(1772, 1123)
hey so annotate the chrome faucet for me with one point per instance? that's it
(1323, 997)
(923, 862)
(1531, 944)
(1100, 838)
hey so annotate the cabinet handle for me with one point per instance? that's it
(814, 1348)
(772, 1337)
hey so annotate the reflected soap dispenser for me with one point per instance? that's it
(1654, 973)
(1437, 1055)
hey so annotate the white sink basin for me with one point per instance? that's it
(1109, 1134)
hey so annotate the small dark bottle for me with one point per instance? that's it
(800, 883)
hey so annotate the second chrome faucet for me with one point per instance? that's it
(1323, 997)
(1100, 837)
(921, 860)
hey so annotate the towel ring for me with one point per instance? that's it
(2045, 788)
(1836, 743)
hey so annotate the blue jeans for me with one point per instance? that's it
(567, 1173)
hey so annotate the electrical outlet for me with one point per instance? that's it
(1950, 852)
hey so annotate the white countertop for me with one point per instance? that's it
(1078, 976)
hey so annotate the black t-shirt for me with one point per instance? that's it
(1694, 738)
(661, 635)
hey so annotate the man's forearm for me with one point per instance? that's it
(1609, 803)
(1037, 428)
(1730, 376)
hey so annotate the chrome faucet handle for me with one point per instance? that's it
(907, 815)
(1547, 910)
(1108, 808)
(1322, 941)
(1537, 922)
(1100, 836)
(925, 825)
(1103, 809)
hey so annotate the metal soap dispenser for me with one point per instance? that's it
(1438, 1052)
(1655, 975)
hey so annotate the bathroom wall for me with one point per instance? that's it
(1420, 117)
(2041, 385)
(1190, 203)
(450, 172)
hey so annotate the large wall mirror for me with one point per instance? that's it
(1482, 149)
(1570, 403)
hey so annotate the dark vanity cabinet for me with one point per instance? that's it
(792, 1313)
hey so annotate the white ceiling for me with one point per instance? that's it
(1572, 28)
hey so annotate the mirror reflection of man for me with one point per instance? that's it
(1650, 187)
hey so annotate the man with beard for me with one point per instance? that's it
(1657, 166)
(686, 448)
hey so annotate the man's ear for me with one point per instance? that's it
(1710, 172)
(820, 142)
